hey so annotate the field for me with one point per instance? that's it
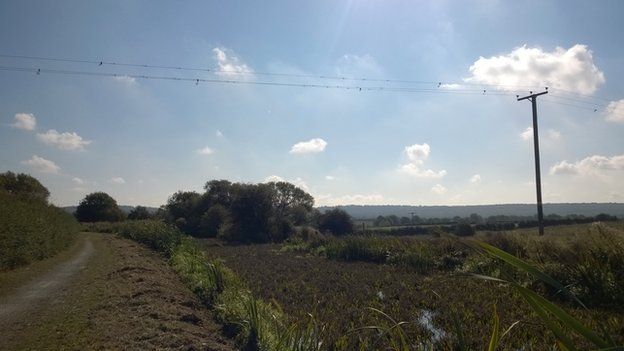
(426, 282)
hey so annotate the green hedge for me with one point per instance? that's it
(32, 230)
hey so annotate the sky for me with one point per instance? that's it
(435, 123)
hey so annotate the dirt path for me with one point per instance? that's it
(43, 288)
(109, 294)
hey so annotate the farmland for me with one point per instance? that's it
(311, 277)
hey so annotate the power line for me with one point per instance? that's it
(247, 82)
(436, 83)
(380, 88)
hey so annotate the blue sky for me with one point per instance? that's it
(141, 140)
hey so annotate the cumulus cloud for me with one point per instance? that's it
(350, 64)
(63, 141)
(78, 181)
(589, 165)
(551, 134)
(24, 121)
(416, 155)
(527, 134)
(438, 189)
(615, 111)
(298, 182)
(118, 180)
(229, 64)
(205, 151)
(570, 69)
(127, 80)
(475, 179)
(273, 178)
(311, 146)
(40, 164)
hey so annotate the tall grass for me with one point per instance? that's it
(253, 323)
(32, 230)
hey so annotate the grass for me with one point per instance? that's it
(32, 230)
(395, 293)
(344, 279)
(253, 323)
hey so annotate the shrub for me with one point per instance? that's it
(32, 230)
(158, 235)
(336, 221)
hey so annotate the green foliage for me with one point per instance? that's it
(23, 186)
(553, 317)
(212, 220)
(336, 221)
(139, 213)
(32, 230)
(98, 207)
(241, 212)
(156, 234)
(255, 324)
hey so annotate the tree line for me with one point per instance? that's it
(240, 212)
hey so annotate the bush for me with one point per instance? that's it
(32, 230)
(336, 221)
(158, 235)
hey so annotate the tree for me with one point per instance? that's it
(24, 186)
(213, 219)
(336, 221)
(138, 213)
(98, 207)
(183, 210)
(251, 211)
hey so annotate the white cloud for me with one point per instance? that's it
(330, 177)
(572, 69)
(78, 181)
(298, 182)
(205, 151)
(219, 134)
(118, 180)
(40, 164)
(353, 65)
(129, 81)
(355, 199)
(311, 146)
(25, 121)
(554, 135)
(273, 178)
(450, 86)
(527, 134)
(589, 165)
(551, 134)
(416, 155)
(229, 64)
(615, 111)
(63, 141)
(438, 189)
(475, 179)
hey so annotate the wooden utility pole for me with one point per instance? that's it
(538, 177)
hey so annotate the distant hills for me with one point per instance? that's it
(562, 209)
(124, 208)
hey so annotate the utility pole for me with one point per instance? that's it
(538, 177)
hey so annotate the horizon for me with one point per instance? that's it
(359, 103)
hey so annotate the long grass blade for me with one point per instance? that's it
(522, 265)
(495, 338)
